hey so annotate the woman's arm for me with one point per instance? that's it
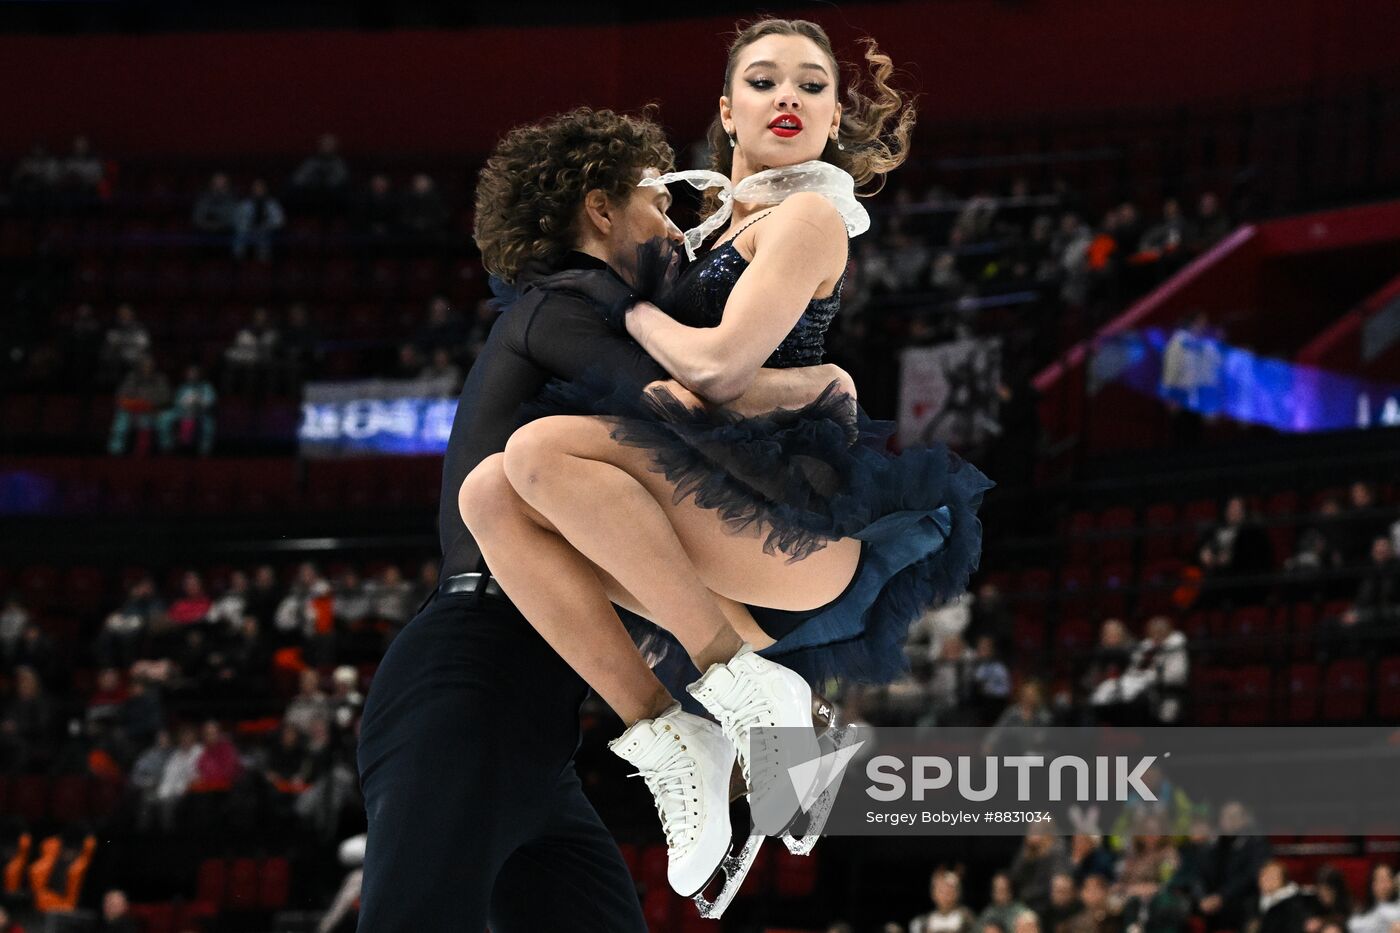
(773, 388)
(801, 246)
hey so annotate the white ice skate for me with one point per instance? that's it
(750, 691)
(831, 735)
(686, 762)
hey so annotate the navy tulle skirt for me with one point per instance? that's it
(806, 477)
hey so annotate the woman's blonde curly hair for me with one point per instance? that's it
(529, 193)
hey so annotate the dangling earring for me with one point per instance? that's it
(731, 141)
(839, 145)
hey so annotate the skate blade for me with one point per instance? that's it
(820, 809)
(734, 867)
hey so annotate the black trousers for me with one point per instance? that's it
(476, 814)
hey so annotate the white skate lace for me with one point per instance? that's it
(669, 783)
(752, 709)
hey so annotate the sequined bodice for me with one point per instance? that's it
(705, 287)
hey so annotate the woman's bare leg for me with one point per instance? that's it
(606, 501)
(560, 593)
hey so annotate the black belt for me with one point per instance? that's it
(460, 583)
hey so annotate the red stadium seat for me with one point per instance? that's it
(243, 884)
(211, 884)
(29, 797)
(154, 918)
(1302, 693)
(1250, 696)
(68, 800)
(658, 907)
(1345, 690)
(275, 883)
(1388, 689)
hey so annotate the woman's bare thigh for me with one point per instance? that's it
(731, 563)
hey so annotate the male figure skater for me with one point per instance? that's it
(476, 814)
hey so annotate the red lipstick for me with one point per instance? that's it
(786, 125)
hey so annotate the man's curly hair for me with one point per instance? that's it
(529, 193)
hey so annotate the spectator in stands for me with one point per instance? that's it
(123, 630)
(1064, 903)
(1110, 658)
(140, 398)
(125, 344)
(949, 915)
(263, 596)
(1282, 906)
(441, 377)
(423, 213)
(216, 208)
(1090, 856)
(300, 346)
(249, 360)
(35, 175)
(1212, 225)
(444, 329)
(376, 212)
(181, 771)
(1229, 876)
(346, 701)
(192, 415)
(991, 616)
(1171, 233)
(246, 659)
(6, 924)
(307, 613)
(1098, 913)
(193, 603)
(81, 174)
(1318, 553)
(1020, 729)
(1333, 900)
(116, 914)
(232, 605)
(333, 783)
(427, 582)
(142, 717)
(1153, 686)
(1041, 858)
(258, 218)
(322, 177)
(351, 603)
(35, 650)
(219, 764)
(147, 772)
(1362, 524)
(1149, 861)
(1028, 922)
(392, 596)
(1236, 550)
(13, 620)
(1377, 603)
(1191, 377)
(310, 705)
(27, 725)
(108, 698)
(1382, 909)
(287, 766)
(1003, 907)
(990, 682)
(928, 632)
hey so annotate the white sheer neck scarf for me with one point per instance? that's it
(769, 187)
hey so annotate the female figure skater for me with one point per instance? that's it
(748, 536)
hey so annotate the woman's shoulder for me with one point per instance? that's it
(812, 208)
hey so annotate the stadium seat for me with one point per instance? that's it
(211, 882)
(1345, 691)
(275, 883)
(1302, 693)
(243, 878)
(1250, 696)
(154, 918)
(1388, 688)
